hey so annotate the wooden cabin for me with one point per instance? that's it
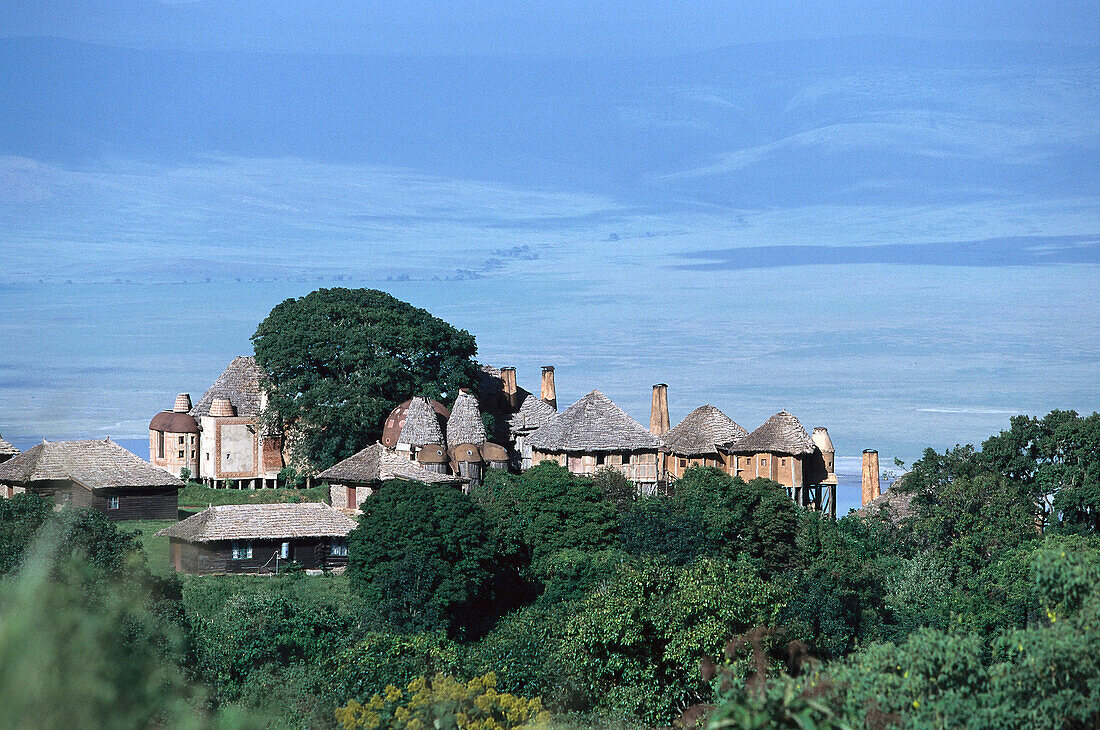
(98, 474)
(357, 477)
(594, 433)
(259, 538)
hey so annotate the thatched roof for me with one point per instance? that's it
(6, 448)
(240, 383)
(98, 464)
(262, 522)
(379, 464)
(533, 413)
(893, 504)
(702, 431)
(591, 424)
(421, 425)
(465, 425)
(780, 434)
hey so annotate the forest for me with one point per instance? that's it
(544, 599)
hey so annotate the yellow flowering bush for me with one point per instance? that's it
(444, 702)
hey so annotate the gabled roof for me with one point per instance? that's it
(593, 423)
(533, 413)
(379, 464)
(6, 448)
(96, 464)
(240, 383)
(465, 425)
(421, 425)
(702, 431)
(262, 522)
(780, 434)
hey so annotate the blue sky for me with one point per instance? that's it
(884, 219)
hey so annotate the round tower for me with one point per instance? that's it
(174, 439)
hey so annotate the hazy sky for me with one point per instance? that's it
(882, 217)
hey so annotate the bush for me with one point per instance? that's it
(443, 701)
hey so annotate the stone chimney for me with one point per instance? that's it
(549, 391)
(658, 412)
(508, 376)
(183, 403)
(221, 407)
(870, 475)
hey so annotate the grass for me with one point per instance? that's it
(156, 548)
(205, 595)
(197, 497)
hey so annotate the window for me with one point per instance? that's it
(284, 551)
(782, 462)
(599, 459)
(763, 461)
(683, 463)
(192, 453)
(112, 502)
(339, 548)
(626, 459)
(181, 454)
(160, 444)
(181, 440)
(242, 550)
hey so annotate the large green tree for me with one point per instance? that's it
(337, 361)
(424, 555)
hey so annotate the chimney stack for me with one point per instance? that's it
(183, 403)
(221, 407)
(870, 475)
(508, 376)
(549, 392)
(658, 412)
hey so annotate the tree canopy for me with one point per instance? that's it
(338, 360)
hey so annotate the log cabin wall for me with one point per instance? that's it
(217, 557)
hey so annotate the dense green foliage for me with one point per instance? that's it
(337, 361)
(424, 555)
(723, 604)
(198, 497)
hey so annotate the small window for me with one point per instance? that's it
(112, 502)
(782, 462)
(599, 459)
(683, 463)
(339, 548)
(208, 456)
(192, 453)
(181, 454)
(227, 457)
(160, 444)
(763, 462)
(626, 458)
(242, 550)
(284, 551)
(181, 440)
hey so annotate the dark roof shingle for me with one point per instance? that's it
(780, 434)
(96, 464)
(240, 383)
(702, 431)
(262, 522)
(593, 423)
(379, 464)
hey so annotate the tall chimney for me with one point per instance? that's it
(183, 403)
(508, 376)
(658, 412)
(549, 392)
(870, 475)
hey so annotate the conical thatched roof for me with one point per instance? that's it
(780, 434)
(533, 413)
(379, 464)
(7, 449)
(593, 423)
(96, 464)
(465, 425)
(240, 383)
(421, 425)
(262, 522)
(702, 431)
